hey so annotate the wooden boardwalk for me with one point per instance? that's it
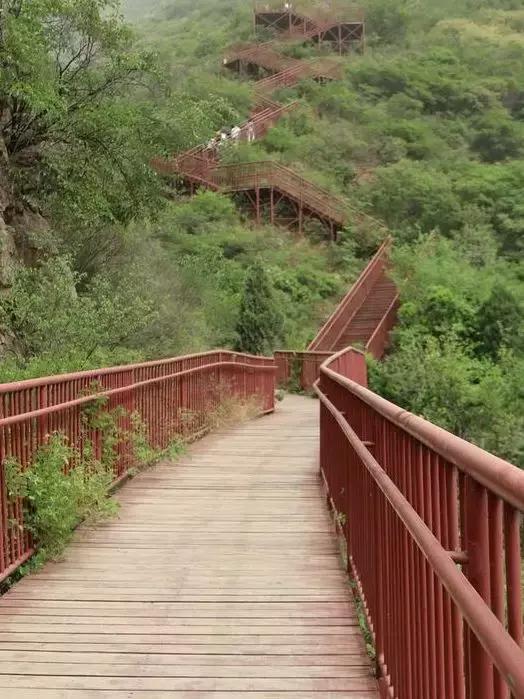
(220, 579)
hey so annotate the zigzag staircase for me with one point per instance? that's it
(284, 71)
(363, 319)
(269, 189)
(367, 313)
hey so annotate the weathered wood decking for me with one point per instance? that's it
(220, 579)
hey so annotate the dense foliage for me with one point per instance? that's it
(426, 133)
(259, 321)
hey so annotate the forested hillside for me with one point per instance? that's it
(425, 133)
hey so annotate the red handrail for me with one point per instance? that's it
(171, 396)
(262, 54)
(338, 11)
(309, 364)
(270, 173)
(317, 68)
(417, 502)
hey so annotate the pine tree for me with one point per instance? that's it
(259, 323)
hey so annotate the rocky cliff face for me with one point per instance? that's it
(21, 228)
(8, 252)
(20, 231)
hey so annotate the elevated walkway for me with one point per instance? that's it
(272, 191)
(246, 56)
(272, 187)
(249, 59)
(321, 70)
(221, 578)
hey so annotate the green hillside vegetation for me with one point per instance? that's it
(425, 133)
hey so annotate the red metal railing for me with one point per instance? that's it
(172, 397)
(338, 11)
(348, 307)
(272, 174)
(378, 342)
(301, 366)
(432, 527)
(319, 68)
(263, 54)
(198, 163)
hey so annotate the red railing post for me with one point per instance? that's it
(479, 669)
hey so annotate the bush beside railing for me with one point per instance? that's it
(170, 397)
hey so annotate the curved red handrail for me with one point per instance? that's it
(418, 500)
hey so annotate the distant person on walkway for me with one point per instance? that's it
(250, 132)
(211, 147)
(224, 135)
(235, 134)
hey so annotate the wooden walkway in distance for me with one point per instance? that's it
(220, 580)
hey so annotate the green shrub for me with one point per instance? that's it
(259, 322)
(60, 488)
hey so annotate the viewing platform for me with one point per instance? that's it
(333, 23)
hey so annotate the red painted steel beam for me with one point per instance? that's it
(496, 474)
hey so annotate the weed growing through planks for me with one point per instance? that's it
(231, 411)
(340, 520)
(362, 619)
(144, 454)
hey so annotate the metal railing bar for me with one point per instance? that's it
(503, 650)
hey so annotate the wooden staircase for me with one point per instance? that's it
(270, 189)
(270, 177)
(284, 71)
(339, 24)
(308, 198)
(366, 315)
(259, 55)
(321, 70)
(363, 324)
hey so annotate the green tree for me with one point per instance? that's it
(259, 323)
(73, 118)
(498, 137)
(52, 320)
(498, 322)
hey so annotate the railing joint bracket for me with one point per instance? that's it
(458, 556)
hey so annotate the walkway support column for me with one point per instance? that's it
(257, 204)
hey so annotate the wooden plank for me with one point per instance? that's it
(194, 684)
(280, 663)
(27, 693)
(220, 578)
(99, 668)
